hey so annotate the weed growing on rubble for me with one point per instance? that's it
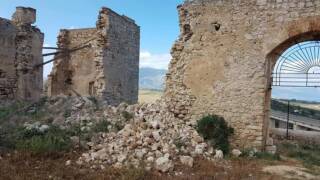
(179, 143)
(53, 140)
(127, 115)
(215, 130)
(101, 126)
(6, 111)
(34, 140)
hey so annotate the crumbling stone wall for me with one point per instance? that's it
(20, 51)
(224, 57)
(108, 68)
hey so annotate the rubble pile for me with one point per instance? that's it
(152, 137)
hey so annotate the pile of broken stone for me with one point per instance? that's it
(152, 137)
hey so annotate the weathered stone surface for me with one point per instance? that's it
(218, 155)
(186, 160)
(24, 16)
(163, 164)
(236, 152)
(223, 59)
(21, 49)
(108, 67)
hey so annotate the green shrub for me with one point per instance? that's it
(267, 156)
(127, 115)
(215, 129)
(53, 140)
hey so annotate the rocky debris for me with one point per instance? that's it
(140, 134)
(164, 164)
(186, 160)
(68, 163)
(253, 152)
(37, 126)
(236, 152)
(152, 136)
(218, 155)
(271, 149)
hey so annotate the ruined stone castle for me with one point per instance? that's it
(101, 61)
(221, 64)
(223, 59)
(20, 53)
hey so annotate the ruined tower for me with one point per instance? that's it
(101, 62)
(20, 52)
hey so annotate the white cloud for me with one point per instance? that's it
(158, 61)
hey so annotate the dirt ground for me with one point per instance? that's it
(25, 166)
(149, 96)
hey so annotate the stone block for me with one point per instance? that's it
(24, 15)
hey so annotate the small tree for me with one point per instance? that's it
(215, 129)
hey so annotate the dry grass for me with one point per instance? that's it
(149, 96)
(25, 166)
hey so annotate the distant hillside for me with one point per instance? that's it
(282, 105)
(150, 78)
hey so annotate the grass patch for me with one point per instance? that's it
(267, 156)
(309, 154)
(6, 111)
(33, 140)
(101, 126)
(54, 140)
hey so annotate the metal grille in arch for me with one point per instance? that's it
(298, 66)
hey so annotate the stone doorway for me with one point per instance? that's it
(293, 64)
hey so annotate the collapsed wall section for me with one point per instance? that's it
(220, 63)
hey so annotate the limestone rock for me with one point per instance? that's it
(218, 155)
(236, 152)
(186, 160)
(68, 163)
(164, 164)
(271, 149)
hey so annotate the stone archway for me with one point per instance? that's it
(272, 59)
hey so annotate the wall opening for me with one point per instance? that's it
(91, 89)
(293, 72)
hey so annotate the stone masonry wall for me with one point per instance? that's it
(121, 58)
(224, 56)
(109, 68)
(75, 70)
(20, 52)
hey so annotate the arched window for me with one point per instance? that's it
(298, 66)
